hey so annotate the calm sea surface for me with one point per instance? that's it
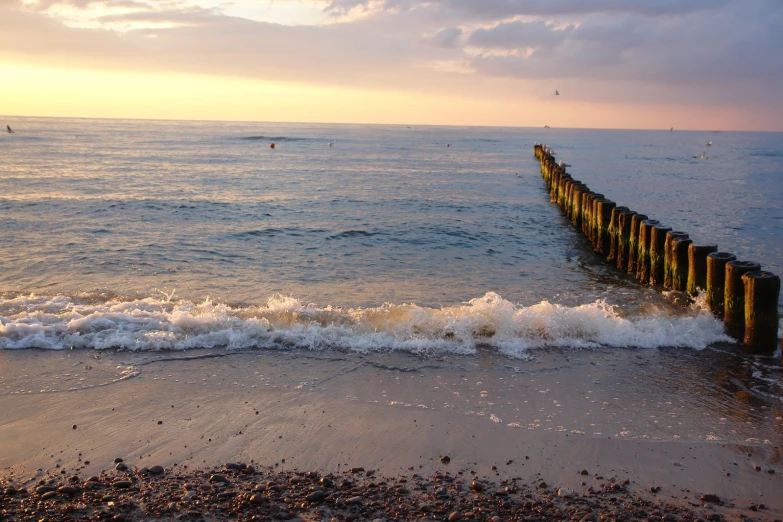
(434, 241)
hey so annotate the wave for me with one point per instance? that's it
(285, 323)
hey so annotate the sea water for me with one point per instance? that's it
(151, 235)
(148, 236)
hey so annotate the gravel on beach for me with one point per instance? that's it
(241, 491)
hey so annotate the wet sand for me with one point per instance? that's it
(574, 420)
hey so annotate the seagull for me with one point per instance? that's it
(557, 93)
(671, 130)
(563, 164)
(517, 173)
(331, 144)
(9, 129)
(546, 126)
(709, 144)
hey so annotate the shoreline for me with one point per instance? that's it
(285, 412)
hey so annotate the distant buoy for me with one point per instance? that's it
(271, 145)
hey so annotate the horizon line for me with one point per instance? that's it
(547, 127)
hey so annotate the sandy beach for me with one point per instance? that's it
(396, 415)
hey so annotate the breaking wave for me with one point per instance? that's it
(285, 323)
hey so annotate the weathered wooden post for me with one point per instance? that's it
(576, 213)
(576, 205)
(657, 257)
(614, 233)
(633, 242)
(716, 281)
(624, 238)
(734, 297)
(604, 214)
(697, 267)
(667, 256)
(643, 251)
(679, 261)
(762, 290)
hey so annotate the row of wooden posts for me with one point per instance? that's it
(739, 292)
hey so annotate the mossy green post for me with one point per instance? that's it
(657, 253)
(614, 233)
(762, 290)
(734, 297)
(667, 256)
(633, 241)
(624, 238)
(716, 281)
(697, 267)
(643, 250)
(679, 260)
(604, 215)
(576, 205)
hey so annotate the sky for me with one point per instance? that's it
(688, 64)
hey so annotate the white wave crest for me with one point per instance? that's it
(151, 324)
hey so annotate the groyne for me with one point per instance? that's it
(738, 292)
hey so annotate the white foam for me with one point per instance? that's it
(62, 322)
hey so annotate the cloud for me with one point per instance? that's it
(671, 51)
(448, 38)
(519, 35)
(502, 9)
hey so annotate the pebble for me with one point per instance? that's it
(445, 459)
(315, 496)
(48, 495)
(68, 490)
(454, 516)
(217, 478)
(476, 486)
(45, 489)
(565, 493)
(709, 497)
(121, 467)
(156, 470)
(121, 484)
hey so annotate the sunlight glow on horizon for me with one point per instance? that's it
(148, 95)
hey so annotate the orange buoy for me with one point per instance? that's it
(271, 145)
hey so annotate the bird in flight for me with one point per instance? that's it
(709, 144)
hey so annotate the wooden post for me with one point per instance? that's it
(734, 297)
(623, 238)
(657, 257)
(604, 213)
(697, 267)
(679, 259)
(576, 205)
(762, 290)
(716, 281)
(614, 233)
(643, 255)
(667, 256)
(633, 242)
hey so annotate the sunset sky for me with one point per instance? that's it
(691, 64)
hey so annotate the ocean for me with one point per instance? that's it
(151, 240)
